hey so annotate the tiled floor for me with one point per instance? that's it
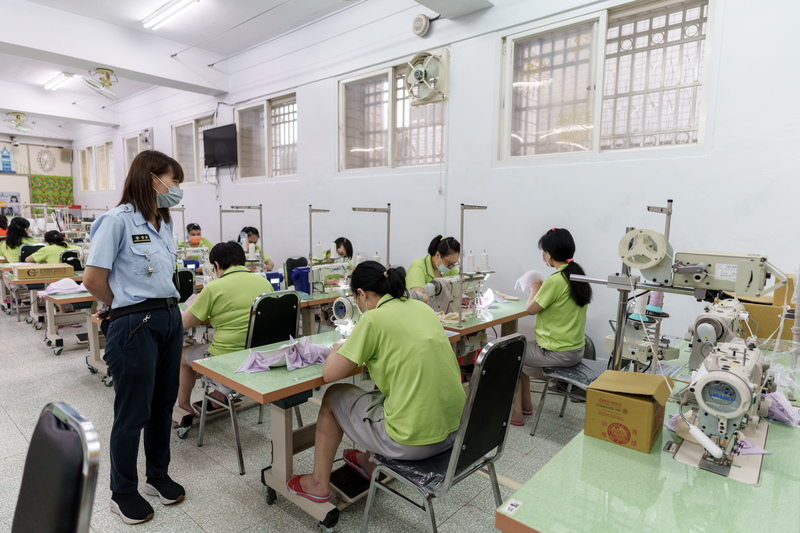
(218, 498)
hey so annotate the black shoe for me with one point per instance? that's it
(131, 507)
(167, 490)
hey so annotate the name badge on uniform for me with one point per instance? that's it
(140, 238)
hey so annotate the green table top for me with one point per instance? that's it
(308, 300)
(269, 386)
(84, 295)
(593, 485)
(497, 313)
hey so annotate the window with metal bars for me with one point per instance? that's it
(283, 137)
(268, 149)
(370, 109)
(187, 147)
(552, 92)
(96, 166)
(653, 77)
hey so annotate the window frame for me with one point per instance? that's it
(127, 162)
(200, 177)
(391, 153)
(266, 106)
(88, 175)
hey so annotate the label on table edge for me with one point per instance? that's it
(512, 506)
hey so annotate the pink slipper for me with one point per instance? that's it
(293, 485)
(351, 460)
(527, 413)
(517, 423)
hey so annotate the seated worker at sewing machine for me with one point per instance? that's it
(16, 236)
(226, 301)
(560, 308)
(442, 260)
(56, 243)
(195, 237)
(417, 406)
(252, 238)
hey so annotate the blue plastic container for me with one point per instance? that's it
(300, 277)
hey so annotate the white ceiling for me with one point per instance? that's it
(208, 18)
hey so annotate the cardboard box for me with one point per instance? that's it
(43, 270)
(768, 318)
(780, 293)
(626, 408)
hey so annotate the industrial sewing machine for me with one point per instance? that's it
(720, 322)
(444, 295)
(727, 393)
(329, 276)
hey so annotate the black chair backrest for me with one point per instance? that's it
(490, 401)
(26, 250)
(588, 350)
(185, 282)
(290, 264)
(71, 258)
(60, 475)
(274, 317)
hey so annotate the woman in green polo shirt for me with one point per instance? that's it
(560, 308)
(195, 237)
(17, 236)
(442, 260)
(407, 353)
(56, 243)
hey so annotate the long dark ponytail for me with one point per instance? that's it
(373, 276)
(559, 244)
(17, 230)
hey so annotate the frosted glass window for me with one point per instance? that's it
(131, 150)
(366, 122)
(283, 137)
(102, 167)
(419, 130)
(552, 92)
(251, 130)
(653, 77)
(84, 170)
(183, 147)
(111, 183)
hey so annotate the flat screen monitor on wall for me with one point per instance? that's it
(219, 145)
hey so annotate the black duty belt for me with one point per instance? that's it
(147, 305)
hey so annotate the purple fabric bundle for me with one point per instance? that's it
(296, 354)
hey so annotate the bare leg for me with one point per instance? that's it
(187, 380)
(327, 440)
(525, 392)
(364, 462)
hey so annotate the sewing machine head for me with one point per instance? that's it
(331, 276)
(444, 296)
(720, 322)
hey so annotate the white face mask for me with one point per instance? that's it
(365, 303)
(171, 199)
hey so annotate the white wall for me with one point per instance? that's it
(734, 193)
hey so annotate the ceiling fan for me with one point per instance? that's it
(18, 123)
(101, 82)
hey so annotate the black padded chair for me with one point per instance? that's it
(274, 317)
(28, 249)
(580, 376)
(479, 440)
(290, 264)
(184, 280)
(72, 258)
(60, 476)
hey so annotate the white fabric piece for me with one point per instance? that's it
(64, 286)
(525, 280)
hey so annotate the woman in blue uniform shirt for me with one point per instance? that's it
(130, 266)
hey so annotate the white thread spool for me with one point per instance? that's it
(334, 253)
(318, 253)
(484, 262)
(470, 262)
(359, 259)
(251, 249)
(376, 257)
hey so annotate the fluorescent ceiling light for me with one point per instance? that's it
(166, 12)
(58, 81)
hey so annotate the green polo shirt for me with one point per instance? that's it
(421, 272)
(406, 350)
(51, 253)
(560, 324)
(12, 254)
(227, 302)
(203, 243)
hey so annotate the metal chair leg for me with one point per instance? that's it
(498, 498)
(203, 411)
(540, 407)
(373, 486)
(299, 416)
(261, 413)
(431, 517)
(567, 396)
(235, 423)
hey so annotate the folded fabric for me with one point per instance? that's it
(296, 354)
(525, 280)
(672, 423)
(502, 296)
(745, 447)
(449, 318)
(64, 286)
(781, 410)
(486, 300)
